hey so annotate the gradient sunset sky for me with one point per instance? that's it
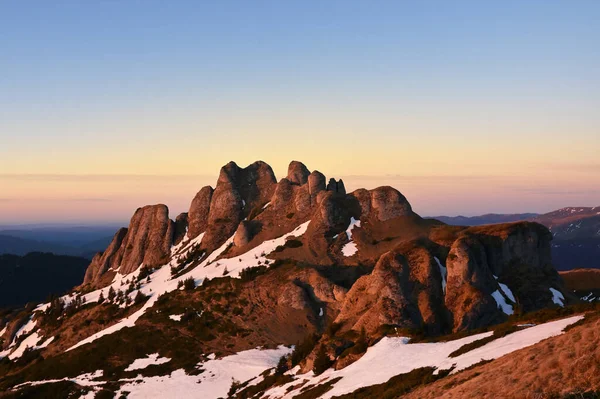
(467, 107)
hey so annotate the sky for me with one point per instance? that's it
(466, 107)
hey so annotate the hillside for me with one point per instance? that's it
(258, 265)
(35, 276)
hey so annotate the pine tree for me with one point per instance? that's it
(111, 294)
(101, 297)
(139, 298)
(282, 365)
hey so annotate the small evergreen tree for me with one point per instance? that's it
(282, 365)
(322, 361)
(101, 297)
(111, 294)
(139, 298)
(189, 284)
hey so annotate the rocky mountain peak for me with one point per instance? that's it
(297, 173)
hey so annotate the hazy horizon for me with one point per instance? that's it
(465, 107)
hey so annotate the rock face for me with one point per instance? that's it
(147, 241)
(198, 213)
(238, 191)
(489, 271)
(388, 203)
(297, 173)
(404, 290)
(470, 285)
(101, 262)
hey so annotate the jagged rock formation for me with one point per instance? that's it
(147, 242)
(198, 213)
(409, 286)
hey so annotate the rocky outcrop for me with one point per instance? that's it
(297, 173)
(470, 286)
(388, 203)
(246, 230)
(336, 186)
(405, 287)
(147, 241)
(316, 183)
(198, 213)
(404, 290)
(238, 191)
(111, 257)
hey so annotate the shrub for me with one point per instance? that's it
(250, 273)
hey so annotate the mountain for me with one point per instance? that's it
(199, 304)
(490, 218)
(37, 275)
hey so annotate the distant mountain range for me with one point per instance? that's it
(84, 241)
(489, 218)
(576, 232)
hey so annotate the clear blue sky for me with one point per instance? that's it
(500, 91)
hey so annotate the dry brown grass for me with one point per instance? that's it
(582, 279)
(554, 368)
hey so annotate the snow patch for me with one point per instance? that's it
(501, 302)
(152, 359)
(557, 297)
(350, 248)
(176, 317)
(213, 383)
(85, 380)
(443, 272)
(507, 292)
